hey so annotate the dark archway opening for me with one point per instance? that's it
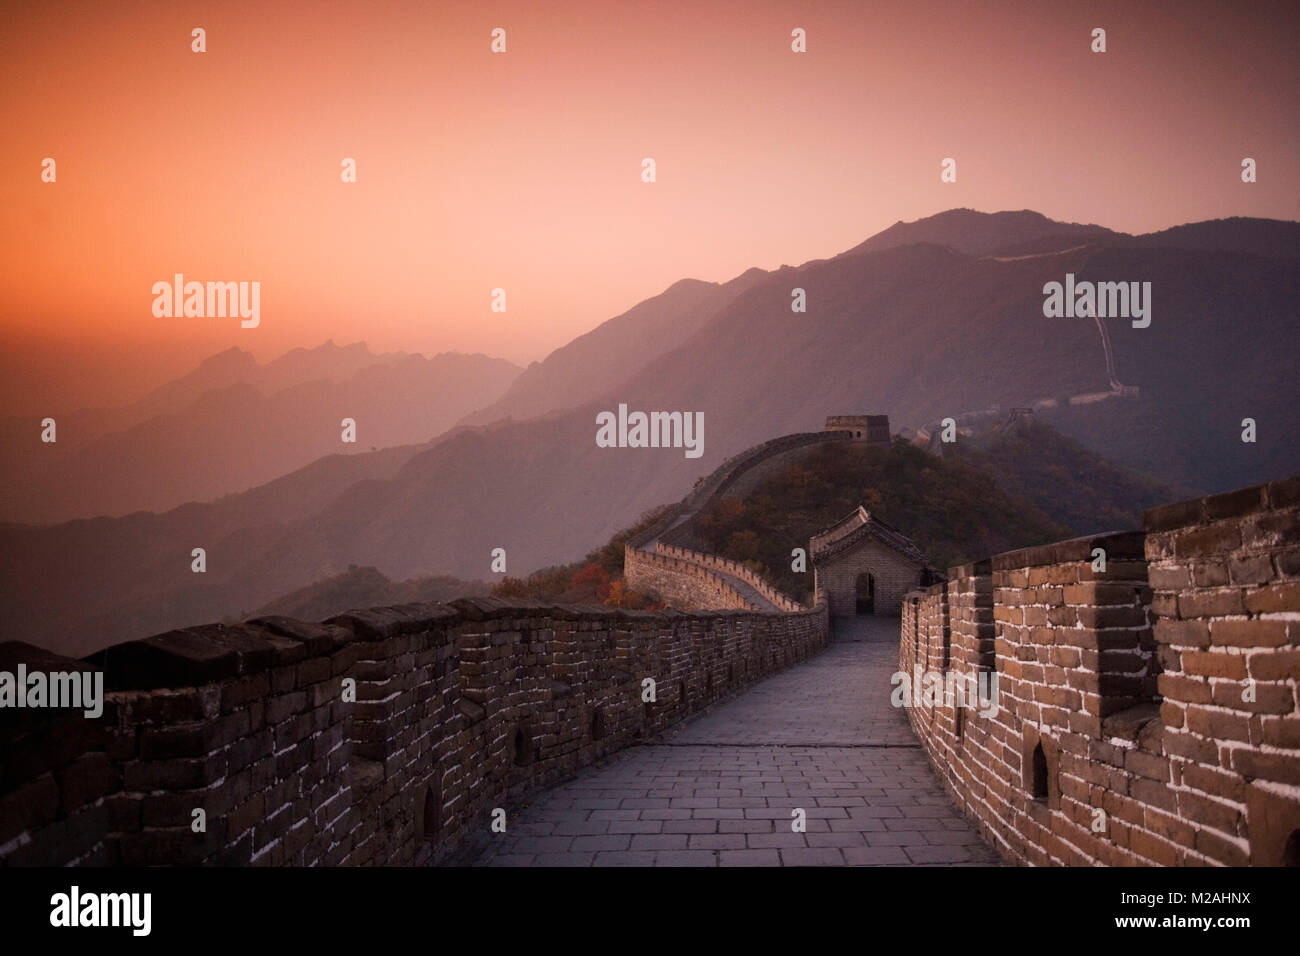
(432, 811)
(597, 723)
(1040, 773)
(522, 745)
(865, 594)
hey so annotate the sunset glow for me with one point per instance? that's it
(522, 171)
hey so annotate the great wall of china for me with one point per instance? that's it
(659, 560)
(1148, 711)
(966, 421)
(458, 710)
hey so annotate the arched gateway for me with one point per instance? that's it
(866, 594)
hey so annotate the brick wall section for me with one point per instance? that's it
(682, 583)
(1131, 681)
(735, 569)
(459, 709)
(1225, 572)
(970, 609)
(769, 460)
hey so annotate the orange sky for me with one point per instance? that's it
(522, 170)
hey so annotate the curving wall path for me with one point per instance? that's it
(660, 559)
(1147, 714)
(1148, 706)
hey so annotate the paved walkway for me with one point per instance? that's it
(821, 736)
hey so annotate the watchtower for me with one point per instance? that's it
(864, 566)
(871, 429)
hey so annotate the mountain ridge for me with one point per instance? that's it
(165, 450)
(915, 331)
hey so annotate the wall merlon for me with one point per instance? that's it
(1118, 545)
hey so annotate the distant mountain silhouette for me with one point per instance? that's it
(1077, 488)
(1028, 232)
(602, 358)
(363, 588)
(980, 233)
(234, 366)
(232, 424)
(1273, 238)
(919, 331)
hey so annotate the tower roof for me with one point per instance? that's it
(857, 526)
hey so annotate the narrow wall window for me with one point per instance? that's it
(1040, 773)
(522, 745)
(432, 810)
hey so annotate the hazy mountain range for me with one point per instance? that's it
(924, 320)
(363, 587)
(602, 358)
(232, 424)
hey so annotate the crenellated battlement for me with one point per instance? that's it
(385, 736)
(1148, 702)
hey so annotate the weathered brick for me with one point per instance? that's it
(1214, 664)
(1183, 633)
(1244, 632)
(1215, 603)
(1284, 768)
(1274, 665)
(1276, 597)
(1269, 698)
(1212, 539)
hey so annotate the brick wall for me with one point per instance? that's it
(1225, 572)
(1148, 711)
(459, 709)
(726, 566)
(681, 582)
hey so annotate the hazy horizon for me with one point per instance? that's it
(478, 170)
(185, 357)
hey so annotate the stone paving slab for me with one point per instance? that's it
(821, 737)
